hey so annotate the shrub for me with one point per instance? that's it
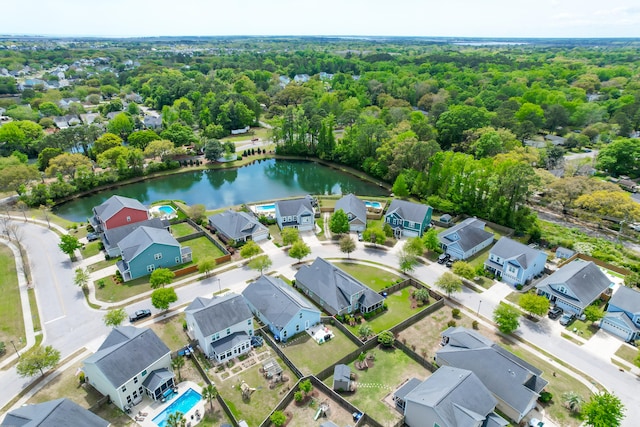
(455, 313)
(101, 283)
(451, 323)
(81, 378)
(474, 324)
(519, 287)
(545, 397)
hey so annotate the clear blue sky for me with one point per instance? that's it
(461, 18)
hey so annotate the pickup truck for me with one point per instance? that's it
(140, 314)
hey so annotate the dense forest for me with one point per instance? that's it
(480, 130)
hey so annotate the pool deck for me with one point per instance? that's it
(152, 408)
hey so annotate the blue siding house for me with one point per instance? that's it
(296, 213)
(622, 317)
(514, 262)
(465, 239)
(277, 305)
(407, 218)
(146, 249)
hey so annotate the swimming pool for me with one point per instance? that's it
(373, 205)
(184, 403)
(265, 208)
(166, 209)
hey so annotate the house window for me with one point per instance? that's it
(135, 393)
(128, 219)
(177, 260)
(124, 388)
(140, 390)
(150, 268)
(157, 256)
(228, 331)
(284, 334)
(135, 380)
(301, 315)
(249, 322)
(143, 373)
(512, 269)
(297, 328)
(129, 399)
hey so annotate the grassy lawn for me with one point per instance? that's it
(182, 229)
(103, 264)
(113, 292)
(480, 257)
(255, 132)
(514, 297)
(90, 249)
(311, 357)
(11, 323)
(390, 368)
(255, 409)
(276, 236)
(628, 353)
(585, 329)
(171, 332)
(320, 224)
(201, 247)
(375, 278)
(399, 310)
(33, 304)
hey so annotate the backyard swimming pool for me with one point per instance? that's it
(373, 205)
(184, 403)
(265, 208)
(163, 211)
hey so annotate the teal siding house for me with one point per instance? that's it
(146, 249)
(407, 218)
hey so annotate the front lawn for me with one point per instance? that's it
(391, 367)
(585, 329)
(182, 229)
(114, 292)
(103, 264)
(90, 249)
(311, 357)
(628, 353)
(375, 278)
(202, 247)
(171, 332)
(276, 235)
(11, 320)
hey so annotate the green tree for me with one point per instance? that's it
(421, 295)
(249, 250)
(290, 235)
(260, 263)
(339, 222)
(179, 134)
(593, 313)
(400, 188)
(37, 360)
(209, 393)
(81, 278)
(374, 235)
(142, 138)
(213, 150)
(121, 125)
(105, 142)
(161, 277)
(299, 250)
(161, 298)
(278, 418)
(603, 409)
(452, 124)
(197, 213)
(16, 177)
(573, 401)
(620, 157)
(159, 148)
(449, 283)
(48, 109)
(506, 317)
(305, 386)
(534, 304)
(347, 245)
(176, 419)
(68, 244)
(365, 331)
(407, 261)
(66, 164)
(206, 264)
(414, 246)
(46, 155)
(463, 269)
(114, 318)
(386, 338)
(177, 363)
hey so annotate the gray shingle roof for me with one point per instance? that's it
(216, 314)
(342, 373)
(143, 237)
(236, 225)
(456, 395)
(126, 352)
(54, 413)
(414, 212)
(506, 248)
(114, 204)
(333, 285)
(229, 342)
(115, 235)
(471, 232)
(513, 380)
(294, 207)
(406, 388)
(627, 299)
(351, 204)
(157, 378)
(276, 301)
(584, 279)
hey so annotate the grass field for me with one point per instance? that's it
(113, 292)
(103, 264)
(171, 332)
(11, 320)
(182, 229)
(311, 357)
(628, 353)
(585, 329)
(201, 247)
(375, 278)
(90, 249)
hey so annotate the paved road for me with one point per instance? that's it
(575, 156)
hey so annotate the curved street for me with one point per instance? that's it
(70, 325)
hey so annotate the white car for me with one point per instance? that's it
(535, 423)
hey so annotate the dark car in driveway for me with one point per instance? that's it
(138, 315)
(567, 318)
(443, 258)
(555, 312)
(450, 262)
(92, 236)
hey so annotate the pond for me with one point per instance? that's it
(266, 179)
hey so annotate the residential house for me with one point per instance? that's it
(336, 291)
(113, 236)
(235, 226)
(89, 118)
(341, 378)
(446, 219)
(565, 253)
(555, 140)
(280, 307)
(356, 211)
(408, 218)
(130, 363)
(152, 122)
(628, 185)
(574, 286)
(622, 317)
(146, 249)
(451, 397)
(514, 262)
(301, 78)
(513, 382)
(223, 326)
(284, 80)
(297, 213)
(54, 413)
(63, 122)
(117, 211)
(465, 239)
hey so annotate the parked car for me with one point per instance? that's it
(535, 423)
(443, 258)
(567, 318)
(140, 314)
(555, 312)
(450, 262)
(92, 236)
(360, 238)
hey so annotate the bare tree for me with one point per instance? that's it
(4, 226)
(22, 207)
(46, 214)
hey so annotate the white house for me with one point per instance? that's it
(356, 211)
(465, 239)
(297, 213)
(514, 262)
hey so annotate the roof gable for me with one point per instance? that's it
(468, 234)
(351, 204)
(507, 249)
(583, 281)
(294, 207)
(143, 237)
(409, 211)
(235, 224)
(58, 412)
(626, 299)
(216, 314)
(115, 204)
